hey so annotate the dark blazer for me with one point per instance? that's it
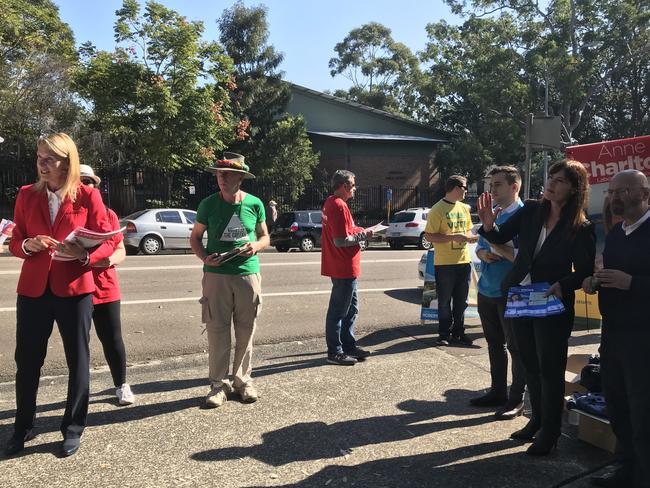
(564, 258)
(32, 218)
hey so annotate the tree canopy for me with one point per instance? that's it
(37, 56)
(275, 141)
(161, 98)
(383, 72)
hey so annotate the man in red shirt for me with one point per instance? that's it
(341, 261)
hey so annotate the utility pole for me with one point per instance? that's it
(546, 114)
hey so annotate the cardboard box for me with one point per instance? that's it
(596, 431)
(574, 365)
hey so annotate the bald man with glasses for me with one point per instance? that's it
(624, 291)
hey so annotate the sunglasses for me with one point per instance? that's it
(464, 187)
(87, 181)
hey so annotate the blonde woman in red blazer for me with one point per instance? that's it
(54, 291)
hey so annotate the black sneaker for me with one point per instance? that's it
(341, 359)
(462, 339)
(358, 353)
(442, 341)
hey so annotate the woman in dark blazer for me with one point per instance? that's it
(52, 290)
(557, 245)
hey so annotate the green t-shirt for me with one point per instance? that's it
(231, 225)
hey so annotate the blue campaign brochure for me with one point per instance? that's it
(530, 301)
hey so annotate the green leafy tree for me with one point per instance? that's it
(485, 75)
(582, 50)
(383, 72)
(476, 87)
(161, 99)
(276, 142)
(37, 58)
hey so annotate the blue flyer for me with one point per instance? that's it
(531, 301)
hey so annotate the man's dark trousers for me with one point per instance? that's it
(452, 285)
(626, 384)
(499, 336)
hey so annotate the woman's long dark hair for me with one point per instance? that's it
(574, 212)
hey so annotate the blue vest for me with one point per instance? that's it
(489, 284)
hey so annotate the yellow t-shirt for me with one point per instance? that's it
(449, 218)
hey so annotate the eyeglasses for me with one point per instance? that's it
(621, 191)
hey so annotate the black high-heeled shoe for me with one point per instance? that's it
(527, 434)
(542, 446)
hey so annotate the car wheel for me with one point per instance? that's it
(151, 245)
(394, 245)
(282, 248)
(131, 250)
(423, 243)
(306, 244)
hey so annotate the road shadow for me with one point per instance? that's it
(312, 441)
(411, 295)
(133, 413)
(108, 394)
(446, 468)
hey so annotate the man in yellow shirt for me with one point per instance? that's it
(448, 229)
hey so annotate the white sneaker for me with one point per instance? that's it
(124, 395)
(216, 397)
(248, 393)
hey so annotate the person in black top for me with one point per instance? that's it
(624, 284)
(557, 245)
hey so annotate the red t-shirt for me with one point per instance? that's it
(339, 262)
(107, 288)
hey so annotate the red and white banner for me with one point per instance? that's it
(604, 159)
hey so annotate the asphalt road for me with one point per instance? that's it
(161, 314)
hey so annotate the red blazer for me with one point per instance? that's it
(32, 218)
(107, 287)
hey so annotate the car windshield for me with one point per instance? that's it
(135, 215)
(403, 217)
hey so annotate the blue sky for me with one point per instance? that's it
(305, 31)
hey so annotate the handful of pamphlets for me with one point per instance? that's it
(87, 238)
(531, 301)
(6, 226)
(227, 256)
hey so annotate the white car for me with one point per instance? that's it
(407, 227)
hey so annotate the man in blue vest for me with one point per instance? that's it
(496, 261)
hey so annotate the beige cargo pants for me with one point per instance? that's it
(226, 300)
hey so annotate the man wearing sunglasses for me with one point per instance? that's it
(448, 229)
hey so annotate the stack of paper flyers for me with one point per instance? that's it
(87, 238)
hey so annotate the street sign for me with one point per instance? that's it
(192, 190)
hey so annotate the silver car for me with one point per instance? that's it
(152, 230)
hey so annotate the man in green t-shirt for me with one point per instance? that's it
(235, 223)
(448, 228)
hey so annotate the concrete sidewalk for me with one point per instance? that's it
(400, 419)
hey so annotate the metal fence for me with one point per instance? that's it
(126, 191)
